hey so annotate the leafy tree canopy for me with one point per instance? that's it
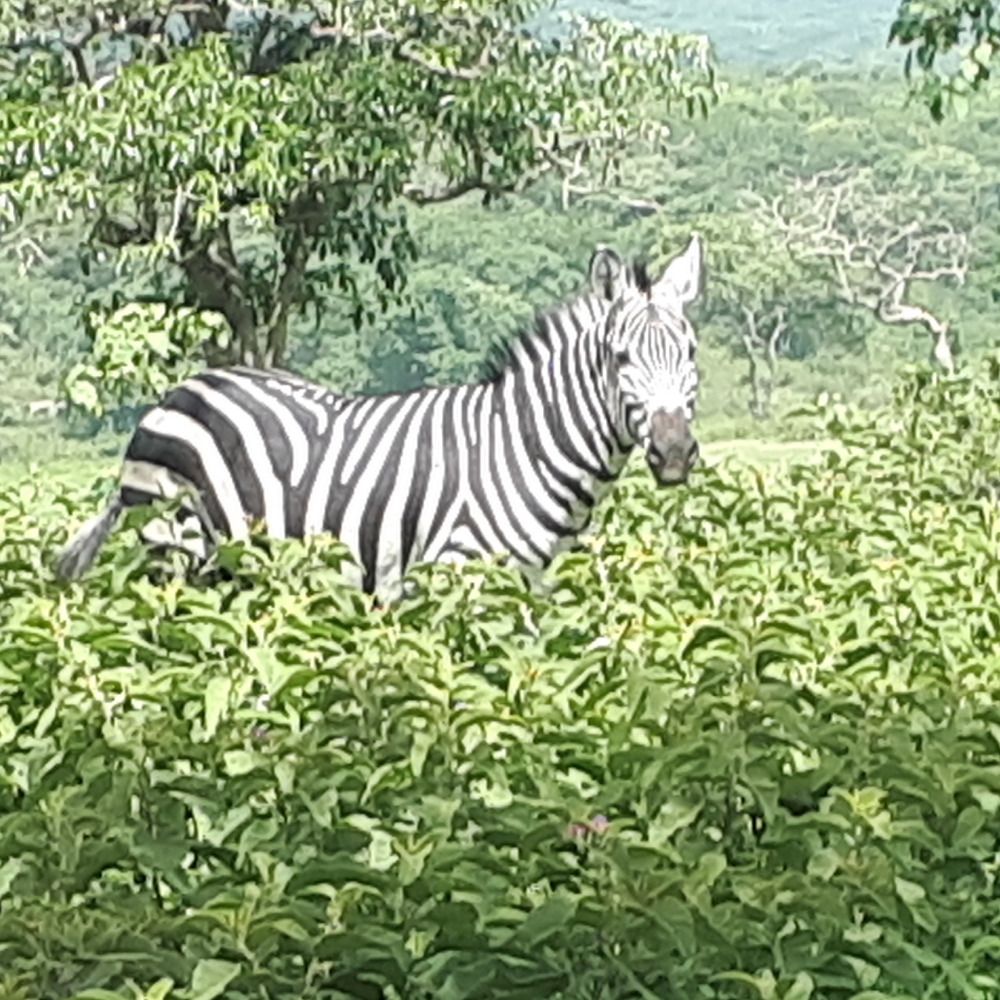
(761, 305)
(254, 160)
(951, 47)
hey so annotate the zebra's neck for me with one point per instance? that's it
(552, 421)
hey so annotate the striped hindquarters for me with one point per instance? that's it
(245, 447)
(380, 473)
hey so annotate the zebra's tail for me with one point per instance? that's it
(80, 553)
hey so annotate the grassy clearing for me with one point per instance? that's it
(756, 451)
(74, 464)
(31, 452)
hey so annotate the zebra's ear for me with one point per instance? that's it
(607, 273)
(684, 276)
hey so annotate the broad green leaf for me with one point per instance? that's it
(970, 821)
(802, 988)
(910, 892)
(548, 919)
(241, 762)
(824, 863)
(765, 984)
(211, 977)
(9, 871)
(217, 693)
(673, 816)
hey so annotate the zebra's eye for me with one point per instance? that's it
(622, 357)
(692, 350)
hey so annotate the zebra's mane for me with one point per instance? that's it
(510, 356)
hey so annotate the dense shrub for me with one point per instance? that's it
(744, 743)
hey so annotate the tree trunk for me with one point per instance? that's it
(216, 281)
(757, 404)
(762, 348)
(285, 295)
(259, 317)
(943, 351)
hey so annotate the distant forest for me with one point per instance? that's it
(814, 112)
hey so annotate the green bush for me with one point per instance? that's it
(742, 744)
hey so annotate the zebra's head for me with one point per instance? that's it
(649, 354)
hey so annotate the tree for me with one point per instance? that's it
(939, 30)
(759, 294)
(256, 160)
(880, 246)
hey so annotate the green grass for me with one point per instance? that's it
(67, 472)
(757, 451)
(72, 463)
(29, 451)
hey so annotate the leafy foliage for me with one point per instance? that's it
(742, 744)
(765, 305)
(778, 34)
(258, 160)
(935, 30)
(138, 351)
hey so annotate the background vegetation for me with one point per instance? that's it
(743, 742)
(770, 33)
(481, 270)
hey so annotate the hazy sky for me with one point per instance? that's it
(772, 31)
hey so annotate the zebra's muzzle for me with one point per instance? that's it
(672, 450)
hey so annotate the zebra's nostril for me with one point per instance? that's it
(662, 454)
(663, 450)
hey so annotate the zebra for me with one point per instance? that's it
(512, 464)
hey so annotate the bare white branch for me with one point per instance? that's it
(875, 257)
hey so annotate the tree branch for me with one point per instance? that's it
(404, 46)
(842, 218)
(421, 194)
(75, 47)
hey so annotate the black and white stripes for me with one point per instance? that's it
(512, 464)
